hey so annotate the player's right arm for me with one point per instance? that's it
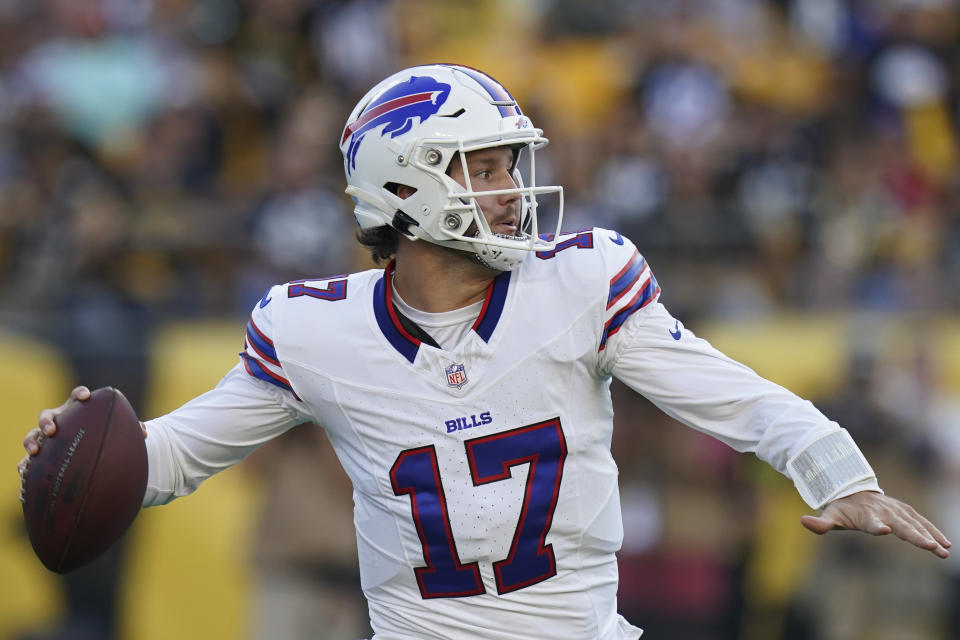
(213, 432)
(206, 435)
(252, 404)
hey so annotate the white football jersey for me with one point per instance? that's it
(486, 497)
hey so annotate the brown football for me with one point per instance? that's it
(84, 489)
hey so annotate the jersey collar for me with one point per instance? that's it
(401, 332)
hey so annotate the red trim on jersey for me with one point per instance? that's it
(388, 294)
(267, 371)
(629, 286)
(253, 345)
(260, 333)
(626, 267)
(636, 297)
(486, 305)
(653, 296)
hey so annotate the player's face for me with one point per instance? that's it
(489, 170)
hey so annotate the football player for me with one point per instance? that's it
(465, 387)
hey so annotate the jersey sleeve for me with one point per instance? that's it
(701, 387)
(213, 432)
(252, 404)
(628, 282)
(259, 355)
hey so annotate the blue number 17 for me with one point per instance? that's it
(491, 458)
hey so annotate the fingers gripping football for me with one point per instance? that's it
(46, 426)
(22, 470)
(879, 515)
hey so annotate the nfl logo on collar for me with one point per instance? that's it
(456, 375)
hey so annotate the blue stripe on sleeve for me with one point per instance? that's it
(255, 369)
(626, 279)
(261, 344)
(639, 302)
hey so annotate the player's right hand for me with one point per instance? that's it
(46, 427)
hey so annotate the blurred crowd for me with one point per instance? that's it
(792, 152)
(173, 158)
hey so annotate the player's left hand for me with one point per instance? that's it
(879, 515)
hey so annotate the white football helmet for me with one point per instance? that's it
(408, 129)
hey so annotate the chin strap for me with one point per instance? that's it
(402, 223)
(500, 258)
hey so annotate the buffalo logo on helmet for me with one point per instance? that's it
(419, 97)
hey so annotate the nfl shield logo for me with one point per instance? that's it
(456, 375)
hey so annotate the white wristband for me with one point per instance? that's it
(827, 466)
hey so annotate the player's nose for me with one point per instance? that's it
(506, 181)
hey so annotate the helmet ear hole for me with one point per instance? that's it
(402, 191)
(517, 148)
(455, 158)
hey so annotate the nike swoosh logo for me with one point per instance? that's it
(618, 239)
(265, 300)
(676, 333)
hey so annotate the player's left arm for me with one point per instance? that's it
(687, 378)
